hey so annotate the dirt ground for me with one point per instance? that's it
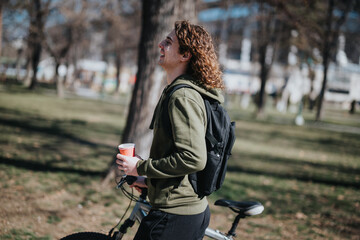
(27, 209)
(34, 212)
(22, 210)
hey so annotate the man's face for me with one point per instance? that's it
(169, 51)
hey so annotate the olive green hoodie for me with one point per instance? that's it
(178, 149)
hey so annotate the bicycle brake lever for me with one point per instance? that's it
(120, 184)
(122, 181)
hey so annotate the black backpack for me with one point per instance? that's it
(220, 139)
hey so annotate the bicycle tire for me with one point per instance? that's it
(87, 236)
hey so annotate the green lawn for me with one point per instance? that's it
(53, 153)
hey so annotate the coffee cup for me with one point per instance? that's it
(127, 149)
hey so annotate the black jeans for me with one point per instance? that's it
(158, 225)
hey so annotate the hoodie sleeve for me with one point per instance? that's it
(188, 124)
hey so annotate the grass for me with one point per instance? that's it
(53, 153)
(21, 234)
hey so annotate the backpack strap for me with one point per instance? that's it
(165, 105)
(212, 140)
(209, 105)
(176, 87)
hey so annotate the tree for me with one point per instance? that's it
(158, 17)
(60, 37)
(76, 14)
(267, 36)
(330, 37)
(38, 11)
(58, 42)
(14, 30)
(319, 29)
(2, 5)
(122, 31)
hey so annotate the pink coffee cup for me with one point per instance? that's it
(127, 149)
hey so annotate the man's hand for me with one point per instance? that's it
(127, 164)
(139, 184)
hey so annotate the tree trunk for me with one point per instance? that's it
(330, 38)
(74, 60)
(118, 68)
(58, 80)
(35, 36)
(1, 13)
(35, 59)
(352, 107)
(326, 56)
(158, 17)
(18, 63)
(266, 33)
(263, 78)
(67, 71)
(311, 101)
(323, 88)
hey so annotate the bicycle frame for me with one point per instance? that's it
(216, 234)
(141, 209)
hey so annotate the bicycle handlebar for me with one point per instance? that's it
(126, 179)
(130, 180)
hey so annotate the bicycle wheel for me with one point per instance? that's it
(87, 236)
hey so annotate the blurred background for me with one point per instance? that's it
(78, 77)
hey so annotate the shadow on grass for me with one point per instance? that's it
(304, 177)
(330, 142)
(298, 164)
(16, 86)
(59, 134)
(40, 167)
(54, 129)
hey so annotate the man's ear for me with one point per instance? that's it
(186, 56)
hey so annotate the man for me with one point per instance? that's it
(187, 55)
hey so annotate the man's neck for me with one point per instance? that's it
(172, 75)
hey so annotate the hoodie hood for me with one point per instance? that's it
(213, 93)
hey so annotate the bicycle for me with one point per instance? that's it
(142, 207)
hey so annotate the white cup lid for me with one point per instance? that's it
(127, 145)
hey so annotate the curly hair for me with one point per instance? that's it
(203, 66)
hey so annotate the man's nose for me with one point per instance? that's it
(161, 44)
